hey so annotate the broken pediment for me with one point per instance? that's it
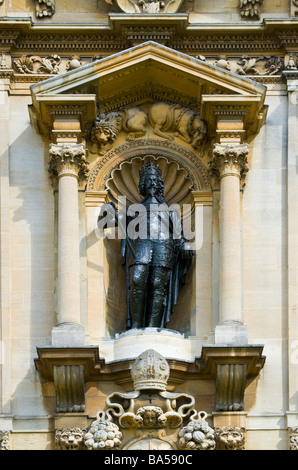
(150, 73)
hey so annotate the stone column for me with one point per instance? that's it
(5, 254)
(291, 77)
(229, 163)
(68, 163)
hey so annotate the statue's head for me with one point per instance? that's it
(151, 182)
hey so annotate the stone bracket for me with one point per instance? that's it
(70, 388)
(230, 386)
(69, 368)
(231, 367)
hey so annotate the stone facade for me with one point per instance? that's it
(88, 92)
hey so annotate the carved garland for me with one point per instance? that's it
(44, 8)
(250, 9)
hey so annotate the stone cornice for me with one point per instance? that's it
(256, 50)
(20, 34)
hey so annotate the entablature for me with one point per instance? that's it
(34, 51)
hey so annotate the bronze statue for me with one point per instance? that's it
(157, 259)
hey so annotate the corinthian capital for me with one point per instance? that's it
(68, 159)
(229, 159)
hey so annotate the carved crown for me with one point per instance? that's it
(150, 371)
(150, 168)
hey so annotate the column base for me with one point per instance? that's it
(68, 334)
(231, 332)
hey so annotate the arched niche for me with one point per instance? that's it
(187, 159)
(116, 174)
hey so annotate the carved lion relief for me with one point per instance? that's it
(107, 127)
(69, 438)
(166, 120)
(230, 438)
(170, 120)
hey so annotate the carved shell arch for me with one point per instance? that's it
(118, 171)
(124, 181)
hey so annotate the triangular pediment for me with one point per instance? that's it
(150, 72)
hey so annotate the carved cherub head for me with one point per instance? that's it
(150, 416)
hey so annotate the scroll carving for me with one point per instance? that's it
(273, 65)
(246, 65)
(35, 64)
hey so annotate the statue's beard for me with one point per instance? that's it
(152, 191)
